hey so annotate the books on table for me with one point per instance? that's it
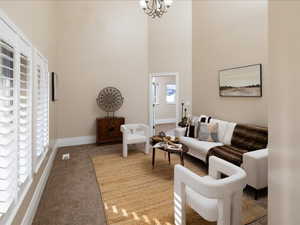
(175, 147)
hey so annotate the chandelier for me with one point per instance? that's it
(155, 8)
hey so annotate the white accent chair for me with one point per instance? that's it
(213, 198)
(134, 134)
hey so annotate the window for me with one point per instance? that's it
(24, 133)
(8, 127)
(15, 121)
(16, 110)
(41, 109)
(171, 93)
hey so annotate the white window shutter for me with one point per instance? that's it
(41, 136)
(19, 140)
(46, 98)
(40, 113)
(8, 126)
(25, 109)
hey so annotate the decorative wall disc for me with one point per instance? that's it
(110, 99)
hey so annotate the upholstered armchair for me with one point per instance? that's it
(213, 198)
(134, 134)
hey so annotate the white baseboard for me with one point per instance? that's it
(84, 140)
(164, 121)
(31, 210)
(53, 143)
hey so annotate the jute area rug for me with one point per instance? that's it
(135, 194)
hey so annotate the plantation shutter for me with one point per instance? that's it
(41, 108)
(39, 118)
(8, 127)
(46, 97)
(24, 134)
(20, 139)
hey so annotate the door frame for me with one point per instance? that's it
(150, 104)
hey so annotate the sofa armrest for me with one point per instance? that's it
(180, 131)
(255, 164)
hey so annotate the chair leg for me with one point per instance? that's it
(236, 208)
(147, 146)
(125, 150)
(179, 205)
(153, 158)
(224, 211)
(256, 194)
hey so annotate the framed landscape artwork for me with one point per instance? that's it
(243, 81)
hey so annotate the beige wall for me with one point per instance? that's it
(38, 24)
(105, 43)
(111, 43)
(284, 111)
(101, 43)
(228, 34)
(163, 109)
(170, 45)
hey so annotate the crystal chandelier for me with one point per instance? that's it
(155, 8)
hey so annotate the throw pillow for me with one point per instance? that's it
(205, 119)
(208, 132)
(191, 129)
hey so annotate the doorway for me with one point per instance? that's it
(164, 102)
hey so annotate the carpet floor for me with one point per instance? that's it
(72, 196)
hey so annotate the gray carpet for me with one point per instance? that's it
(72, 197)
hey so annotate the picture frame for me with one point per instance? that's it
(244, 81)
(54, 82)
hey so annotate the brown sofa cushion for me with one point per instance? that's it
(245, 138)
(249, 137)
(228, 153)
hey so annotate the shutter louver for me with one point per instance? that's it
(42, 108)
(24, 134)
(8, 128)
(46, 109)
(39, 118)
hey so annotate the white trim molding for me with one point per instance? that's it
(73, 141)
(151, 114)
(165, 121)
(34, 203)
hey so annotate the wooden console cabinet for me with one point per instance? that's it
(108, 129)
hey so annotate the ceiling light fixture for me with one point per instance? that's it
(155, 8)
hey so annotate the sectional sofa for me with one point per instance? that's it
(249, 142)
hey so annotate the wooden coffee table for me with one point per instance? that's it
(181, 153)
